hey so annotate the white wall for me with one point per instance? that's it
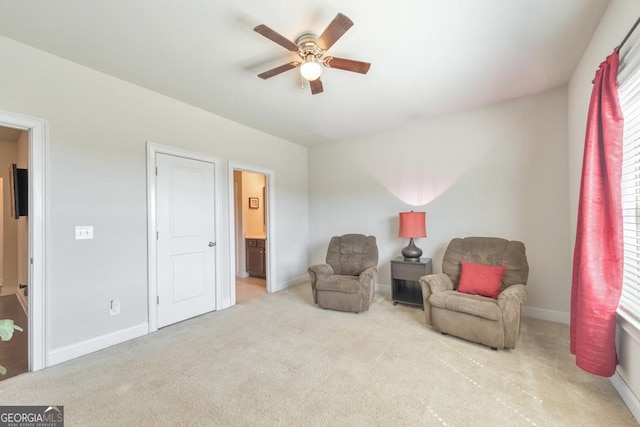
(14, 269)
(252, 186)
(241, 269)
(23, 221)
(495, 171)
(1, 231)
(618, 19)
(8, 155)
(96, 176)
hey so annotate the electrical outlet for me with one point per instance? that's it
(114, 307)
(84, 232)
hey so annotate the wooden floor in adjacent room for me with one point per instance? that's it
(14, 353)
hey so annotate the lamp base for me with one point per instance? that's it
(411, 252)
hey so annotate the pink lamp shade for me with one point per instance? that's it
(413, 224)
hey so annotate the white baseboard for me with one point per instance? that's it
(291, 282)
(8, 290)
(536, 313)
(628, 396)
(94, 344)
(544, 314)
(23, 302)
(383, 288)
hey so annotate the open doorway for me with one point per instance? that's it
(14, 248)
(37, 201)
(250, 219)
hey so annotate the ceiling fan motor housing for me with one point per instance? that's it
(308, 45)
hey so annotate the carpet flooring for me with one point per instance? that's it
(278, 360)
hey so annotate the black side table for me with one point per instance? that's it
(405, 287)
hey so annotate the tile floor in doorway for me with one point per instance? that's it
(249, 287)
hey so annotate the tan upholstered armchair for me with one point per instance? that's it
(347, 281)
(494, 322)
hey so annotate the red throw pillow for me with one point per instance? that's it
(481, 279)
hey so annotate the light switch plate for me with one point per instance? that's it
(114, 307)
(84, 232)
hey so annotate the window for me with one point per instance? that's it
(629, 93)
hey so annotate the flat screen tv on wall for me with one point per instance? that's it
(19, 191)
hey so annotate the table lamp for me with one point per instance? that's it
(412, 225)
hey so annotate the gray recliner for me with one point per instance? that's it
(488, 321)
(347, 281)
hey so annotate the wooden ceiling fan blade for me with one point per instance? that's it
(316, 86)
(276, 37)
(334, 31)
(278, 70)
(347, 64)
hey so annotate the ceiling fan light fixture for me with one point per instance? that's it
(310, 68)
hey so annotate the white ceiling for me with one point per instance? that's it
(429, 57)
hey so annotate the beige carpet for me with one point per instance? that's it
(279, 360)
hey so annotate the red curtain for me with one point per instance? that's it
(598, 252)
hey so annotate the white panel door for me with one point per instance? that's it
(186, 242)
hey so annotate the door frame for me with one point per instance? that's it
(152, 243)
(38, 226)
(271, 224)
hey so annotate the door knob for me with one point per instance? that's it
(211, 244)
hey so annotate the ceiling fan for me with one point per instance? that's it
(311, 50)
